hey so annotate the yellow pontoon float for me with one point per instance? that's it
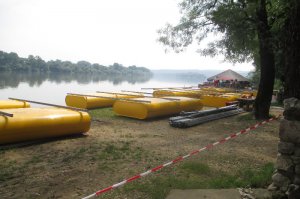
(97, 100)
(181, 93)
(217, 101)
(36, 123)
(8, 104)
(155, 107)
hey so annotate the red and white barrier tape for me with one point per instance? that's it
(180, 158)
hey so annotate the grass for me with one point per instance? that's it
(115, 151)
(245, 117)
(102, 113)
(195, 168)
(277, 104)
(11, 168)
(7, 169)
(76, 154)
(195, 175)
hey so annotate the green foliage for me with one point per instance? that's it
(233, 21)
(12, 62)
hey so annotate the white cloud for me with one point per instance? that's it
(99, 31)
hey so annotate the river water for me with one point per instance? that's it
(54, 87)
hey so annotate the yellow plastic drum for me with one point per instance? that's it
(217, 101)
(36, 123)
(8, 104)
(95, 102)
(157, 108)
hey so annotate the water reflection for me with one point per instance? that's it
(13, 79)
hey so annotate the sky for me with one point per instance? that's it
(99, 31)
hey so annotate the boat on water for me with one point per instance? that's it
(10, 104)
(155, 107)
(36, 123)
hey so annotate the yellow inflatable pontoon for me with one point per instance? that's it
(95, 102)
(180, 93)
(156, 108)
(8, 104)
(35, 123)
(217, 101)
(218, 90)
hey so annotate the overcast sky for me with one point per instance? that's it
(98, 31)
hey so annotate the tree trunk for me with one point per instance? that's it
(267, 64)
(292, 55)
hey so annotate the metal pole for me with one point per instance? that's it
(112, 98)
(176, 91)
(168, 88)
(119, 93)
(6, 114)
(171, 99)
(47, 104)
(138, 92)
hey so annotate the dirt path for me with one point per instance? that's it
(117, 148)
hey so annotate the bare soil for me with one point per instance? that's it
(116, 148)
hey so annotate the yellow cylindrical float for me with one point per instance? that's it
(95, 102)
(183, 93)
(157, 108)
(36, 123)
(218, 90)
(9, 104)
(217, 101)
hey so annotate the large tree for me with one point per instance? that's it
(290, 9)
(245, 34)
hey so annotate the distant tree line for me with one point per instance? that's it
(12, 62)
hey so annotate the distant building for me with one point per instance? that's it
(228, 75)
(229, 78)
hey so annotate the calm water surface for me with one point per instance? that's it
(53, 88)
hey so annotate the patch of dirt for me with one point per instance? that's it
(118, 148)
